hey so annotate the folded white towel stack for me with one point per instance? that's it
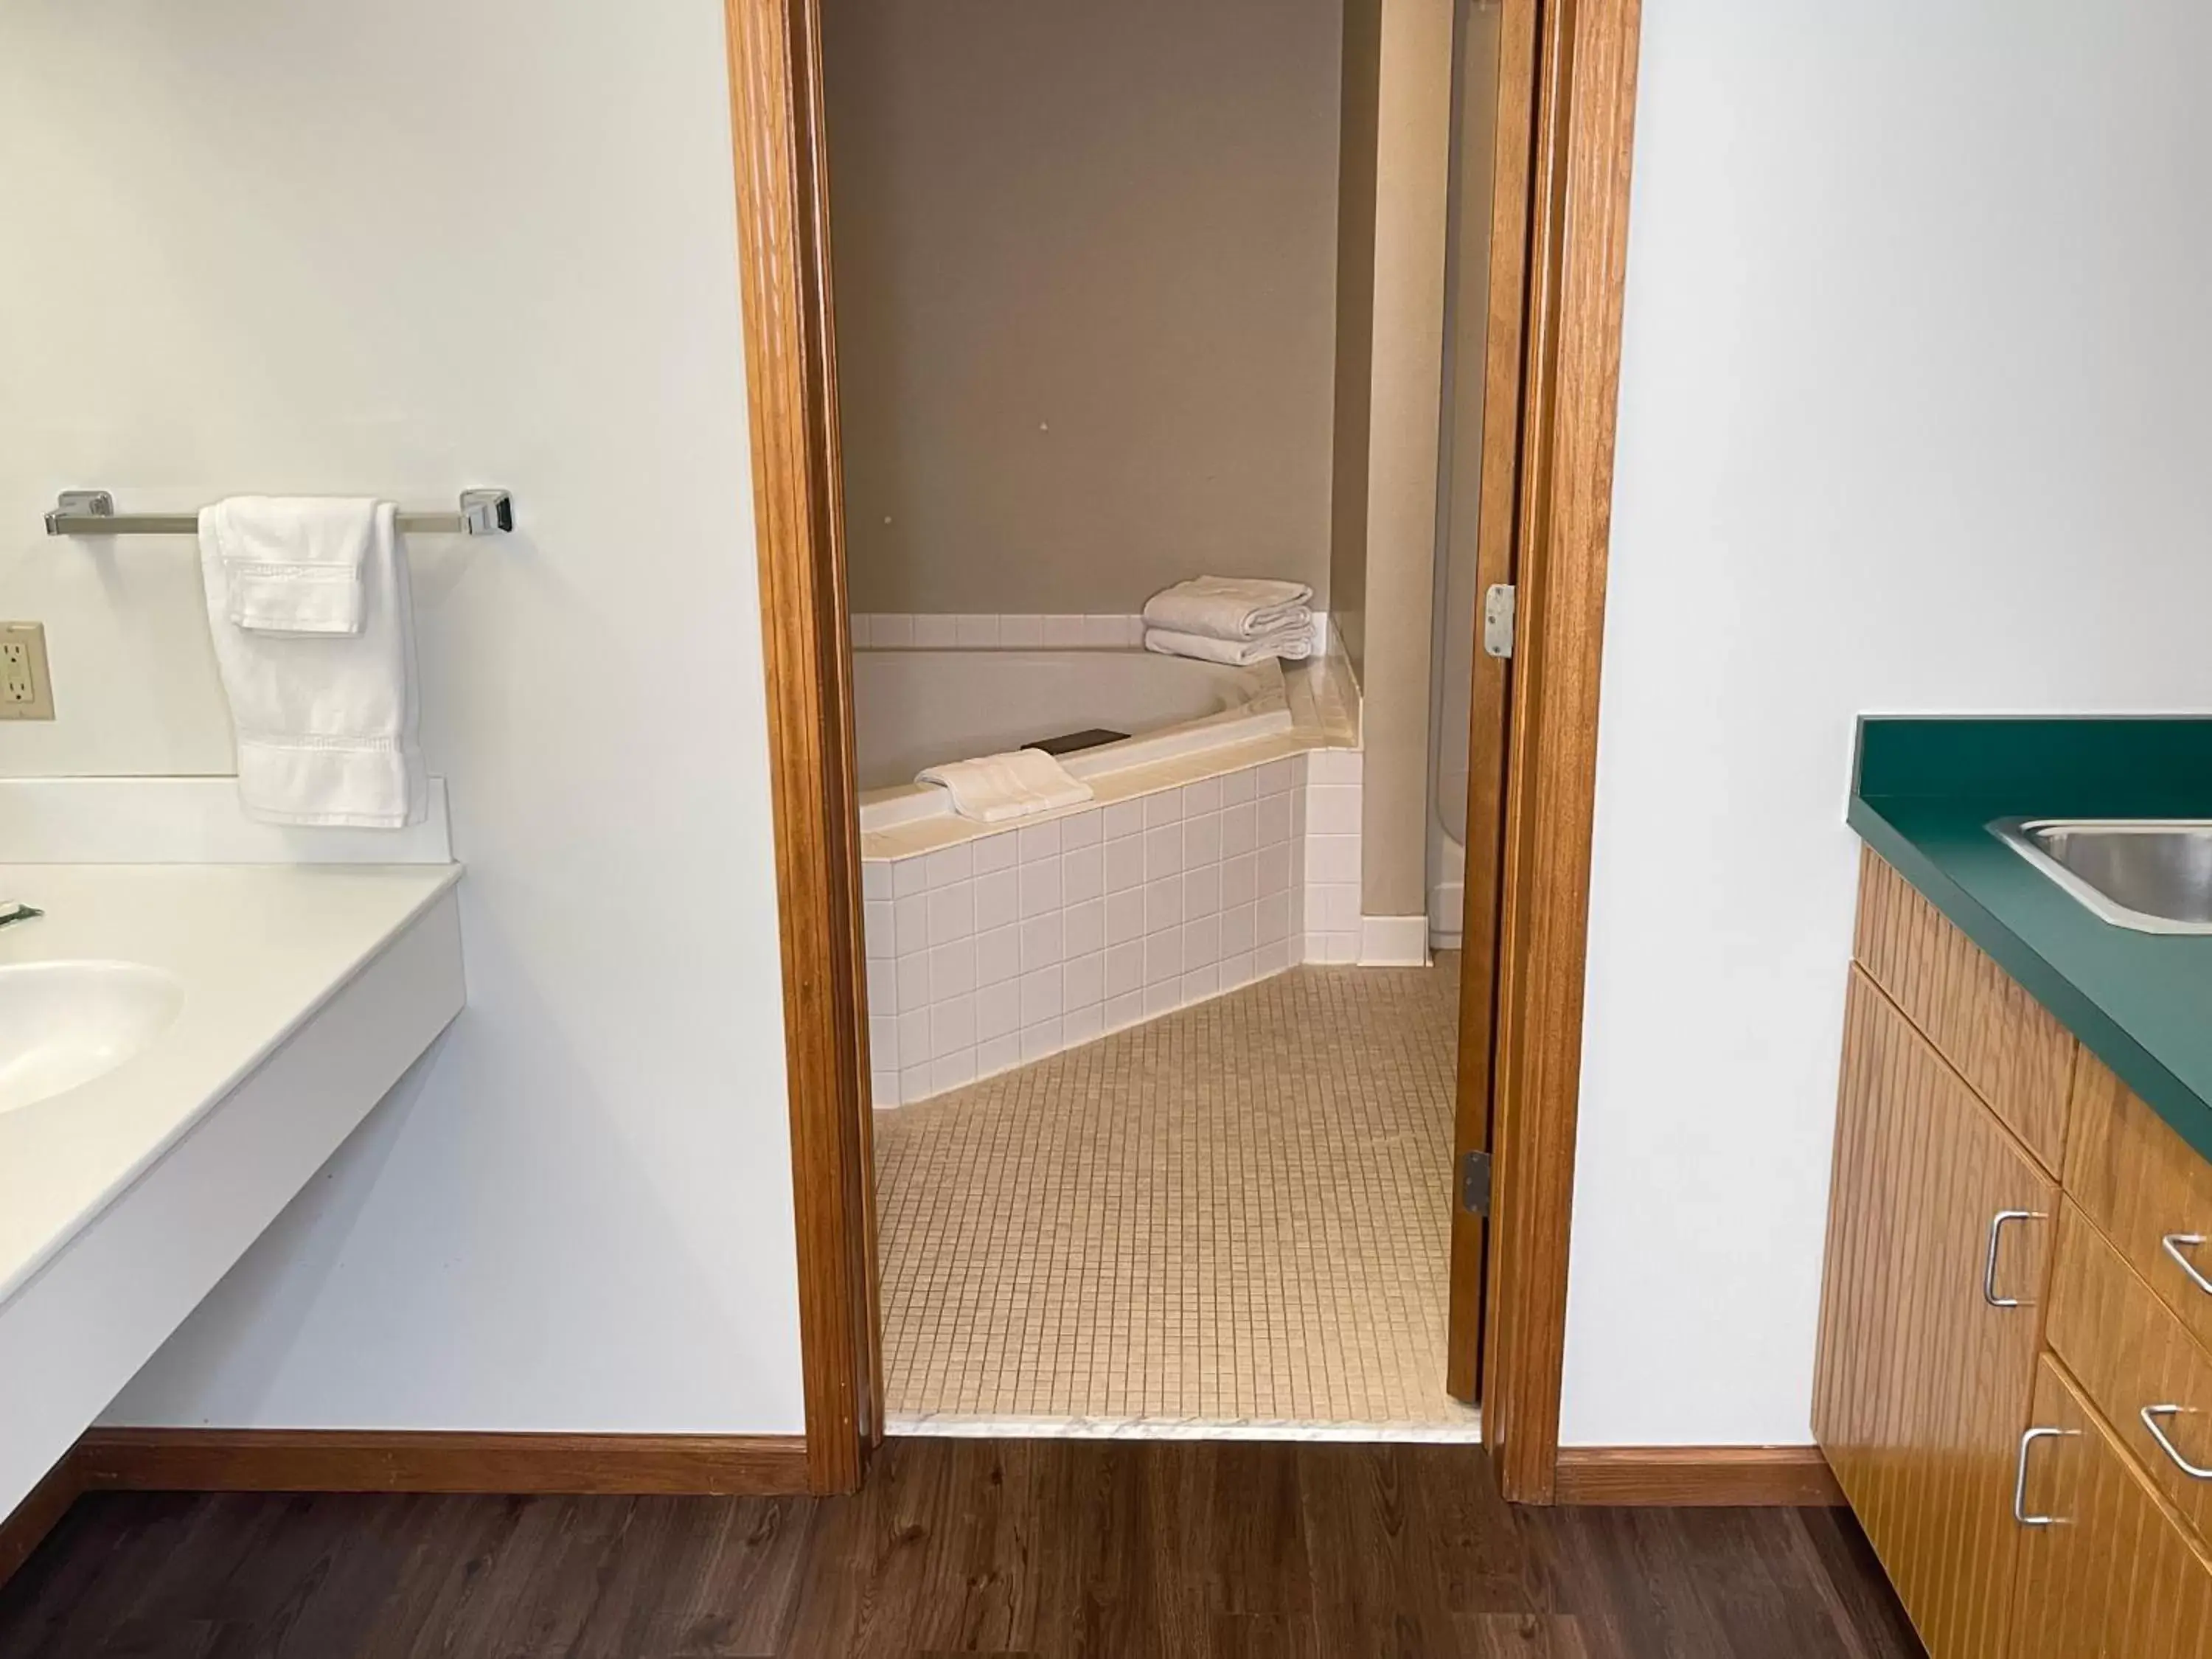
(1231, 619)
(323, 711)
(992, 788)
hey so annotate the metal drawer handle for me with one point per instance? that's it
(2020, 1478)
(2150, 1416)
(1989, 1260)
(2174, 1243)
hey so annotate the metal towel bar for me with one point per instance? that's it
(92, 512)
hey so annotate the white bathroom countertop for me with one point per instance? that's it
(259, 949)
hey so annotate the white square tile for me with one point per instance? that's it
(1239, 928)
(1201, 891)
(1201, 840)
(1125, 916)
(890, 631)
(1080, 1025)
(1274, 869)
(1239, 828)
(1333, 766)
(1272, 956)
(1237, 785)
(1044, 941)
(914, 1082)
(1040, 887)
(860, 630)
(997, 954)
(1163, 806)
(1238, 969)
(879, 926)
(1042, 1039)
(909, 875)
(1163, 851)
(948, 865)
(1105, 633)
(1063, 630)
(1041, 994)
(1298, 771)
(1086, 927)
(1124, 864)
(934, 632)
(1297, 798)
(1339, 909)
(1332, 858)
(1201, 943)
(1204, 796)
(1084, 981)
(1272, 778)
(876, 879)
(1124, 817)
(1082, 829)
(951, 1026)
(1125, 968)
(1273, 913)
(999, 1053)
(1163, 957)
(882, 1042)
(952, 1071)
(914, 984)
(1162, 903)
(1272, 820)
(998, 1011)
(1202, 983)
(1039, 840)
(1021, 633)
(994, 852)
(973, 630)
(1240, 880)
(910, 923)
(1304, 908)
(951, 970)
(1125, 1010)
(914, 1037)
(952, 913)
(883, 1089)
(1332, 809)
(883, 986)
(998, 899)
(1164, 998)
(1082, 874)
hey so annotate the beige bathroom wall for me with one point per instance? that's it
(1085, 269)
(1383, 556)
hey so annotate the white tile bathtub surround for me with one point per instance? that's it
(892, 631)
(1037, 939)
(1329, 841)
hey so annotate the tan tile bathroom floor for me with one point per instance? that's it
(1236, 1214)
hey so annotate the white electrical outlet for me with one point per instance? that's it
(26, 692)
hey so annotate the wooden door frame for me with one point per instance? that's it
(1576, 184)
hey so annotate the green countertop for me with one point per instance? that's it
(1923, 793)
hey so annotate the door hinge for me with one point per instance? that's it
(1499, 606)
(1474, 1182)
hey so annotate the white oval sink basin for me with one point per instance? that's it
(63, 1024)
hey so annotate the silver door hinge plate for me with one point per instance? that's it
(1474, 1182)
(1498, 605)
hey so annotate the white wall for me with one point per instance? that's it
(304, 245)
(1912, 419)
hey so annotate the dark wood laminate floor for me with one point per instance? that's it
(1126, 1550)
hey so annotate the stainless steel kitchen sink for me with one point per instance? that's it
(2154, 875)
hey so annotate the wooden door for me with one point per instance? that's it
(2110, 1575)
(1482, 506)
(1923, 1383)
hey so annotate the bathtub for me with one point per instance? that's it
(915, 708)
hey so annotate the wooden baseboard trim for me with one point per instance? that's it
(1696, 1476)
(343, 1460)
(25, 1528)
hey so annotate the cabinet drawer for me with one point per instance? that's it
(2104, 1573)
(2147, 1188)
(2130, 1353)
(2006, 1045)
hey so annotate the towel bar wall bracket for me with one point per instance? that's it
(92, 512)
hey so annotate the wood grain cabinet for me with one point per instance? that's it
(1977, 1353)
